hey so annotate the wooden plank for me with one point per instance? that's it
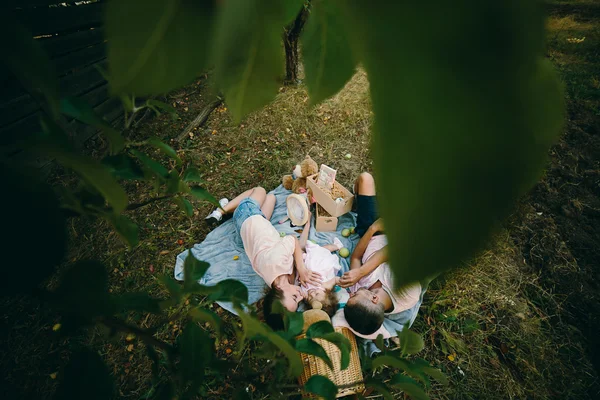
(53, 20)
(80, 59)
(17, 109)
(20, 129)
(83, 80)
(12, 4)
(63, 44)
(16, 103)
(109, 110)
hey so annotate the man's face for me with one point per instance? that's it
(364, 295)
(292, 296)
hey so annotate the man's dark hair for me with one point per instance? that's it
(363, 319)
(273, 319)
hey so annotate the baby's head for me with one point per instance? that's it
(364, 312)
(327, 298)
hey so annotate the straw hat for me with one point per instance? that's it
(297, 209)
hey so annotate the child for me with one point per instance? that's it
(272, 257)
(320, 259)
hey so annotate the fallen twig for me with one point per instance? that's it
(200, 119)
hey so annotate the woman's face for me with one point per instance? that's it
(292, 296)
(316, 294)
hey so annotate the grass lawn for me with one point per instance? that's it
(520, 321)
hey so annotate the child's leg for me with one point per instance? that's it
(268, 206)
(259, 194)
(330, 247)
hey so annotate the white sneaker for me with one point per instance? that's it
(217, 215)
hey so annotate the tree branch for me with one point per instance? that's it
(122, 326)
(200, 119)
(135, 206)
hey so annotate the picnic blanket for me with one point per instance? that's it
(223, 244)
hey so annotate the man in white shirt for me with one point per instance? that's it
(370, 278)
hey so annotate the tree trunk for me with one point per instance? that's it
(291, 35)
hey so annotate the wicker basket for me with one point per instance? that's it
(351, 376)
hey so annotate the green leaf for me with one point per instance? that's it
(379, 343)
(83, 291)
(249, 59)
(165, 148)
(390, 362)
(291, 9)
(321, 386)
(123, 166)
(309, 346)
(196, 350)
(173, 182)
(343, 344)
(229, 290)
(202, 194)
(326, 52)
(436, 374)
(254, 328)
(200, 314)
(410, 342)
(318, 329)
(136, 302)
(468, 108)
(85, 377)
(95, 174)
(153, 356)
(26, 59)
(156, 168)
(294, 322)
(126, 228)
(163, 106)
(409, 386)
(175, 290)
(83, 112)
(193, 270)
(185, 206)
(192, 174)
(30, 208)
(422, 365)
(381, 389)
(156, 46)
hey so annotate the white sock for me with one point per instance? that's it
(338, 243)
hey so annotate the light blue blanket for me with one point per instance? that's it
(223, 244)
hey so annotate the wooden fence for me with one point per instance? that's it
(72, 35)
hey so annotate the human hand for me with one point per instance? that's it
(310, 277)
(350, 278)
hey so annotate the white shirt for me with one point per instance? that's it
(321, 260)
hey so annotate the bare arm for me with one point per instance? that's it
(357, 271)
(378, 258)
(305, 275)
(304, 235)
(361, 247)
